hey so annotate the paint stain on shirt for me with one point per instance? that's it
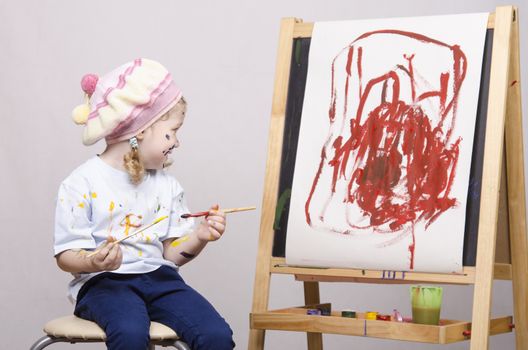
(111, 210)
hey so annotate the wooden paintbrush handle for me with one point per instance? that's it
(234, 210)
(132, 235)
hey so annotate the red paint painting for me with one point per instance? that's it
(390, 148)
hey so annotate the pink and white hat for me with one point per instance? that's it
(125, 101)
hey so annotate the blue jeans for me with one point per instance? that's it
(124, 304)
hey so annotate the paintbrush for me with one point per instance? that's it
(204, 213)
(131, 235)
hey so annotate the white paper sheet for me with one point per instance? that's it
(385, 144)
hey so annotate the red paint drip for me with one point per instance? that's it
(411, 250)
(360, 70)
(411, 76)
(332, 109)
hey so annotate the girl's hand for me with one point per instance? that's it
(213, 226)
(109, 258)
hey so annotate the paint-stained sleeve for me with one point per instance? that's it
(73, 225)
(178, 227)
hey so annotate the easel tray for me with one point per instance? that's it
(296, 319)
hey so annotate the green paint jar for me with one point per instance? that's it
(426, 303)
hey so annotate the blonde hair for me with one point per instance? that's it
(132, 160)
(134, 166)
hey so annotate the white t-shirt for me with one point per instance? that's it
(97, 200)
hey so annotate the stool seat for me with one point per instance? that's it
(73, 327)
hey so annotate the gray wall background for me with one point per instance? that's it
(222, 53)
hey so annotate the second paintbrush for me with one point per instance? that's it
(205, 213)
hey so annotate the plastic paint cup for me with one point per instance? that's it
(383, 317)
(371, 315)
(313, 312)
(348, 313)
(325, 310)
(426, 303)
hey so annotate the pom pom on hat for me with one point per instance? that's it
(88, 83)
(80, 114)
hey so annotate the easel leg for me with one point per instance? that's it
(516, 195)
(493, 158)
(256, 339)
(262, 275)
(311, 296)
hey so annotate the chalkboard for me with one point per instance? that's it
(294, 104)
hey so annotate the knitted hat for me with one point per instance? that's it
(125, 101)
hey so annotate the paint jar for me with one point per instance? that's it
(426, 303)
(325, 312)
(313, 312)
(383, 317)
(371, 315)
(348, 313)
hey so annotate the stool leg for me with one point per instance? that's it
(44, 342)
(178, 344)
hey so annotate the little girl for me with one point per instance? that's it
(138, 110)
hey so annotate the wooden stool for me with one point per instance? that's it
(72, 329)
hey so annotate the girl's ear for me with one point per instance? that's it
(140, 136)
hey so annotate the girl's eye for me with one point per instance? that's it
(167, 136)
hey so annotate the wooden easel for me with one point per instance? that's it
(504, 127)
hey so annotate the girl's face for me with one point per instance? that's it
(158, 141)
